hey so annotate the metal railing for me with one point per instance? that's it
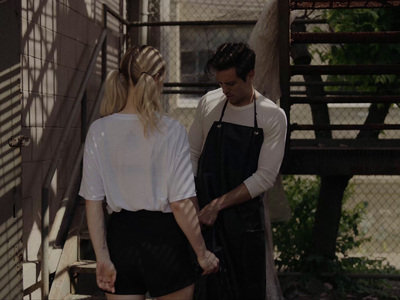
(49, 237)
(46, 187)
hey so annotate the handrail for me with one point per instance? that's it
(101, 46)
(58, 230)
(45, 222)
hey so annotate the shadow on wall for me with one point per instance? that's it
(10, 158)
(57, 42)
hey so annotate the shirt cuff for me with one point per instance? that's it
(254, 188)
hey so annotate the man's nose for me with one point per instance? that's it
(225, 89)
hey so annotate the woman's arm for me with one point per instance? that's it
(185, 214)
(105, 270)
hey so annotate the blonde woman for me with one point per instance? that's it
(139, 161)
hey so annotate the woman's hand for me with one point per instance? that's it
(209, 263)
(106, 275)
(105, 270)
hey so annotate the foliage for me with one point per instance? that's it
(292, 240)
(364, 20)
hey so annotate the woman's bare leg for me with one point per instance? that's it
(183, 294)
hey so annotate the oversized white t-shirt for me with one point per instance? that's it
(270, 118)
(134, 172)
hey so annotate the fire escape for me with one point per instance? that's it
(333, 148)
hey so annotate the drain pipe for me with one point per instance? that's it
(144, 15)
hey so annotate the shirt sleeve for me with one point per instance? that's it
(196, 136)
(181, 180)
(271, 155)
(92, 187)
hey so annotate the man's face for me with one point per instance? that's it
(237, 91)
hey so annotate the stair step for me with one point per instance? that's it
(84, 267)
(87, 267)
(90, 297)
(86, 297)
(84, 234)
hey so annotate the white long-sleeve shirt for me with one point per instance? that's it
(134, 172)
(270, 118)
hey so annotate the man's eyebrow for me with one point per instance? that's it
(229, 82)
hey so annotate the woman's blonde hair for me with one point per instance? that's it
(144, 68)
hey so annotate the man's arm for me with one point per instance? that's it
(209, 213)
(270, 159)
(195, 138)
(271, 154)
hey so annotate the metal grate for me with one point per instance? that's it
(321, 4)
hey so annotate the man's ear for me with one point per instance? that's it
(250, 75)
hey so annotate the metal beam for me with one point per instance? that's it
(325, 4)
(345, 69)
(345, 37)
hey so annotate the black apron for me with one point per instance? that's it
(230, 155)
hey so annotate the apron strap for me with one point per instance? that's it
(223, 110)
(255, 113)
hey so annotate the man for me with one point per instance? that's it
(237, 144)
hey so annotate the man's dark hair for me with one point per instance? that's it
(232, 55)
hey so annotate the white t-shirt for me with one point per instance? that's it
(270, 118)
(134, 172)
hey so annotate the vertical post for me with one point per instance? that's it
(104, 48)
(45, 244)
(133, 14)
(284, 62)
(84, 119)
(144, 15)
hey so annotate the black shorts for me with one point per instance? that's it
(150, 253)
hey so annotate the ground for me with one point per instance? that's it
(318, 290)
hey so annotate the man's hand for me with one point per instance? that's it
(208, 215)
(106, 275)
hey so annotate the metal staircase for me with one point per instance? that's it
(66, 245)
(323, 154)
(76, 274)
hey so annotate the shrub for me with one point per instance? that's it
(292, 242)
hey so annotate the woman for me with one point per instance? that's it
(139, 161)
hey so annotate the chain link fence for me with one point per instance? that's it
(186, 48)
(381, 195)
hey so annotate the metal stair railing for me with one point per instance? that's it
(58, 230)
(55, 162)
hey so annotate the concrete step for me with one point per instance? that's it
(86, 297)
(83, 267)
(84, 234)
(90, 297)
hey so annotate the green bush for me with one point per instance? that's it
(292, 242)
(292, 239)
